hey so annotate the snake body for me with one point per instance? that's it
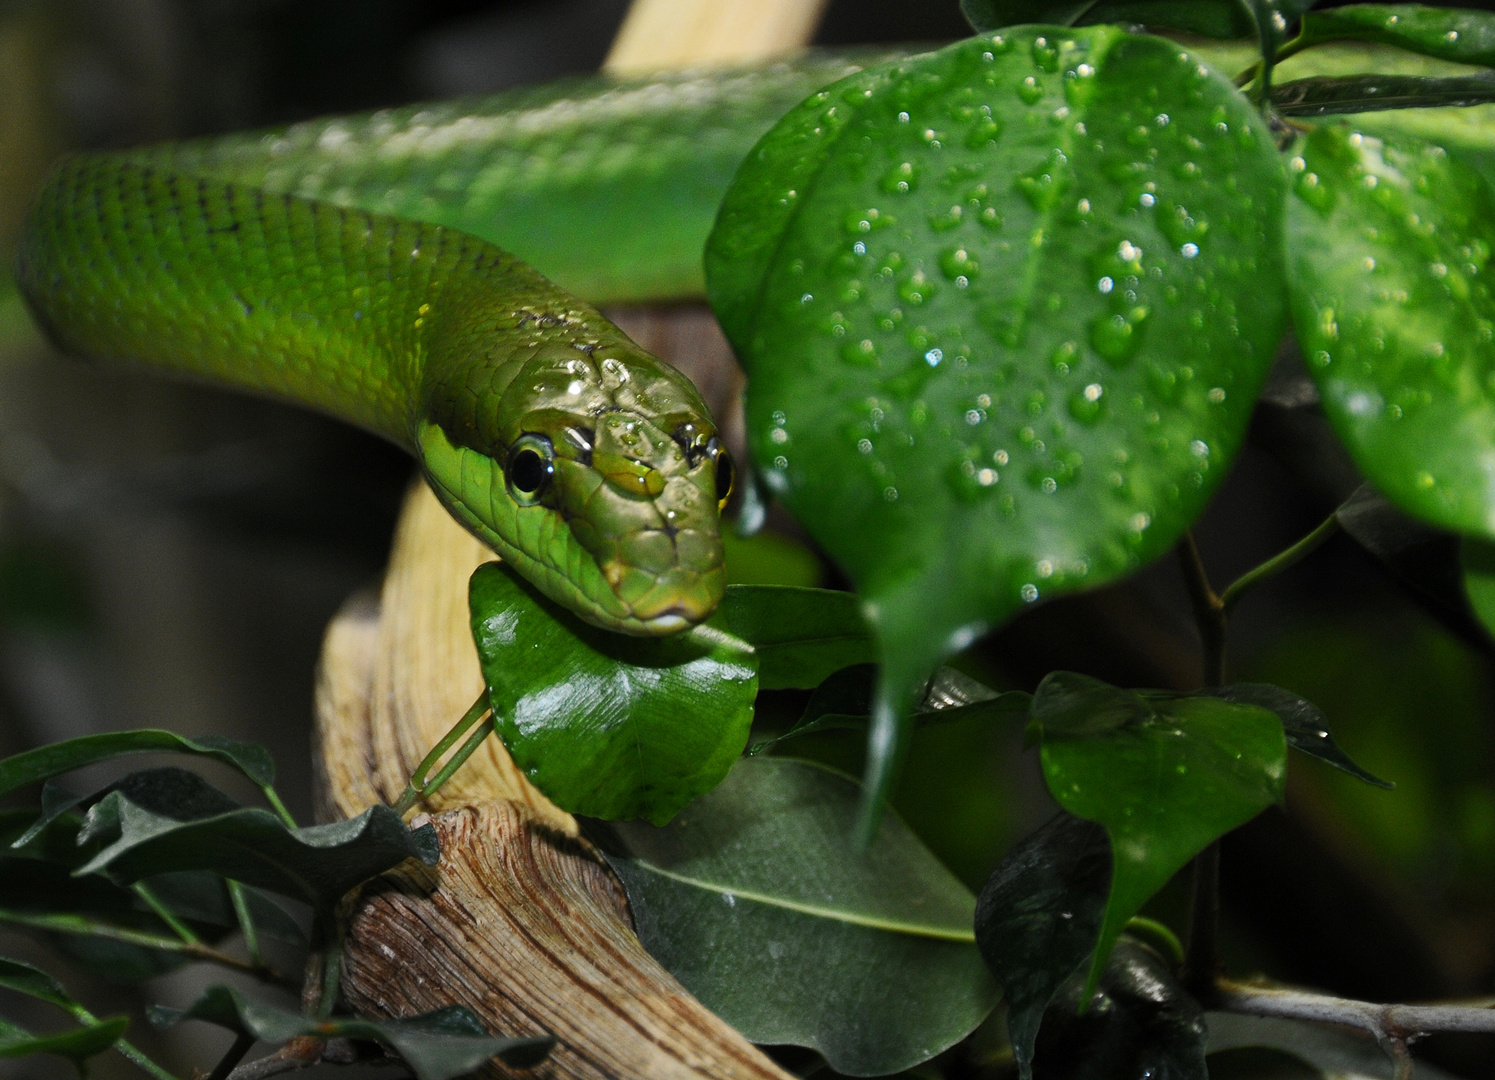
(353, 265)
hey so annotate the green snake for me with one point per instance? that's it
(377, 268)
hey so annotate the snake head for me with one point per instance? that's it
(592, 468)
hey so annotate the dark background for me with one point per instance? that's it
(170, 555)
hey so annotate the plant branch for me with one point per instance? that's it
(1201, 965)
(1278, 563)
(246, 921)
(85, 927)
(1209, 610)
(129, 1050)
(165, 914)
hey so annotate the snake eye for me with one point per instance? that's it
(726, 473)
(530, 466)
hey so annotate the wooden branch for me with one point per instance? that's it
(660, 34)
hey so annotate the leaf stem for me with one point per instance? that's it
(1209, 610)
(230, 1060)
(246, 921)
(279, 807)
(319, 1000)
(84, 927)
(1201, 965)
(165, 914)
(1278, 563)
(418, 785)
(131, 1053)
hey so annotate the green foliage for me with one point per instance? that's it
(757, 900)
(1460, 35)
(437, 1045)
(966, 427)
(54, 759)
(77, 1045)
(1211, 18)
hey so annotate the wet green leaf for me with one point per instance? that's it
(437, 1045)
(1389, 245)
(1140, 1023)
(318, 864)
(1303, 723)
(756, 898)
(1165, 775)
(54, 759)
(800, 635)
(77, 1045)
(1212, 18)
(1336, 95)
(959, 284)
(608, 725)
(1039, 917)
(1457, 34)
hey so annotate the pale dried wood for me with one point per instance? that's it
(661, 34)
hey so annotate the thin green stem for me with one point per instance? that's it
(279, 807)
(165, 914)
(1294, 47)
(131, 1052)
(1202, 958)
(330, 933)
(418, 785)
(474, 740)
(1278, 563)
(83, 927)
(246, 921)
(1159, 935)
(1209, 610)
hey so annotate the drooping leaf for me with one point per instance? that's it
(844, 702)
(1324, 95)
(437, 1045)
(1038, 919)
(1140, 1023)
(1457, 34)
(318, 864)
(960, 283)
(800, 635)
(1389, 245)
(608, 725)
(1303, 723)
(757, 900)
(1165, 776)
(77, 1045)
(54, 759)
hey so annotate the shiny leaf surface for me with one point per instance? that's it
(1389, 245)
(1333, 96)
(1457, 34)
(959, 284)
(801, 635)
(756, 898)
(1165, 775)
(607, 725)
(1303, 723)
(437, 1045)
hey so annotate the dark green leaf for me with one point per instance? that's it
(318, 864)
(1457, 34)
(77, 1045)
(608, 725)
(962, 329)
(1209, 18)
(1335, 95)
(1164, 775)
(844, 702)
(437, 1045)
(988, 15)
(800, 635)
(1304, 724)
(1389, 244)
(44, 762)
(32, 981)
(1039, 917)
(757, 900)
(1140, 1023)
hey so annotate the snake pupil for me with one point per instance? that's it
(726, 474)
(527, 471)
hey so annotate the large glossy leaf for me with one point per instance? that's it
(1457, 34)
(1164, 775)
(800, 635)
(1303, 723)
(54, 759)
(77, 1045)
(437, 1045)
(1038, 919)
(757, 900)
(318, 864)
(1004, 310)
(1140, 1023)
(1389, 247)
(608, 725)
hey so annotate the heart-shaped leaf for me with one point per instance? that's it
(1004, 309)
(1457, 34)
(1165, 775)
(1390, 244)
(801, 635)
(756, 898)
(437, 1045)
(607, 725)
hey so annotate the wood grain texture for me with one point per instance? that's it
(661, 34)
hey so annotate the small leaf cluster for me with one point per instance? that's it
(159, 868)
